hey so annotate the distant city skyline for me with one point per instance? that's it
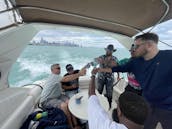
(81, 37)
(54, 43)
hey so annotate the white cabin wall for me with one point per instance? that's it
(12, 43)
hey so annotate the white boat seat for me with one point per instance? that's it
(19, 104)
(119, 88)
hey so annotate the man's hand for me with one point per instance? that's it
(82, 72)
(91, 90)
(94, 71)
(99, 60)
(105, 70)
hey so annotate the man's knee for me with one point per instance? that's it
(63, 105)
(67, 101)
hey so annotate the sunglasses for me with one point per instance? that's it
(70, 69)
(57, 68)
(137, 46)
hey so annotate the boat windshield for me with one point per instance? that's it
(65, 45)
(73, 45)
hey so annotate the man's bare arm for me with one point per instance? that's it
(72, 77)
(106, 70)
(91, 90)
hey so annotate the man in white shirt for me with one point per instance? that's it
(132, 110)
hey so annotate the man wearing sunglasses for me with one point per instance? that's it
(133, 85)
(153, 70)
(71, 87)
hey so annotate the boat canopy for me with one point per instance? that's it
(127, 17)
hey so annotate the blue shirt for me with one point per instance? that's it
(155, 77)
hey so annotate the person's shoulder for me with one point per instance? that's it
(102, 56)
(66, 74)
(93, 101)
(136, 59)
(59, 77)
(165, 54)
(93, 97)
(52, 76)
(76, 71)
(165, 51)
(115, 58)
(115, 125)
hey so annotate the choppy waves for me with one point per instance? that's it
(34, 63)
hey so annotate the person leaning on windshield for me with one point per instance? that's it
(153, 70)
(132, 110)
(107, 79)
(52, 96)
(71, 85)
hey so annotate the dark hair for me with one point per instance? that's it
(69, 67)
(133, 107)
(115, 115)
(148, 36)
(52, 66)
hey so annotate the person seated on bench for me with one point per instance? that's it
(52, 95)
(71, 87)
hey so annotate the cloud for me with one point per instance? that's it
(170, 32)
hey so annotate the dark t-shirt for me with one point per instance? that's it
(76, 81)
(155, 77)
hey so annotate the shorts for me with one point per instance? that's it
(55, 102)
(71, 93)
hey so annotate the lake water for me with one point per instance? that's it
(35, 61)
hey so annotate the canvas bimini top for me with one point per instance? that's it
(127, 17)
